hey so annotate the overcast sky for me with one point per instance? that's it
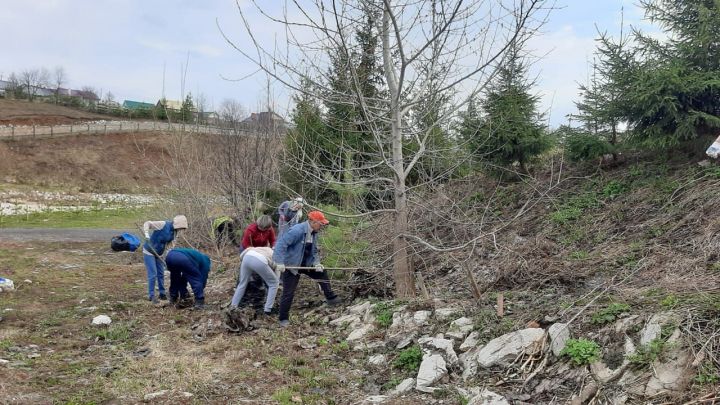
(123, 46)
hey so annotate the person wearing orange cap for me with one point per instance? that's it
(298, 248)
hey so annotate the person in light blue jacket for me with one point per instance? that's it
(298, 248)
(163, 233)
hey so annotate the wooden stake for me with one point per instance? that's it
(473, 284)
(500, 305)
(421, 283)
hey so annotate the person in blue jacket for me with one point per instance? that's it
(188, 266)
(298, 248)
(163, 233)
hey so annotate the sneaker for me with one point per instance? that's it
(173, 300)
(199, 304)
(153, 300)
(284, 323)
(163, 297)
(272, 312)
(333, 302)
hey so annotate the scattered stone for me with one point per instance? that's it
(377, 360)
(432, 369)
(27, 281)
(186, 394)
(360, 309)
(307, 343)
(488, 397)
(469, 363)
(406, 341)
(258, 364)
(375, 399)
(142, 352)
(6, 284)
(443, 347)
(445, 313)
(673, 375)
(350, 320)
(470, 342)
(3, 361)
(652, 330)
(403, 388)
(506, 348)
(155, 395)
(33, 355)
(460, 328)
(102, 320)
(361, 332)
(559, 335)
(368, 346)
(421, 317)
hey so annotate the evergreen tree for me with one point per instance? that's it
(187, 109)
(675, 88)
(511, 130)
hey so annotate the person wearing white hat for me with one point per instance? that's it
(163, 233)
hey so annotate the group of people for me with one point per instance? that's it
(275, 260)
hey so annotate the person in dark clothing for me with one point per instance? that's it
(188, 266)
(298, 248)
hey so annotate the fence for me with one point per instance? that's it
(37, 131)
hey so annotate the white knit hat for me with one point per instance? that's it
(180, 222)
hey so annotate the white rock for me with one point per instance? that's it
(506, 348)
(559, 335)
(350, 320)
(360, 309)
(102, 320)
(443, 347)
(3, 361)
(368, 346)
(469, 363)
(6, 284)
(488, 397)
(652, 330)
(675, 374)
(361, 332)
(377, 360)
(186, 394)
(432, 369)
(403, 388)
(28, 281)
(421, 317)
(470, 342)
(445, 313)
(155, 395)
(460, 328)
(406, 340)
(375, 399)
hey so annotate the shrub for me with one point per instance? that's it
(383, 313)
(409, 359)
(610, 313)
(581, 146)
(581, 351)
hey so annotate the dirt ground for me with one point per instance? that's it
(21, 112)
(105, 163)
(55, 355)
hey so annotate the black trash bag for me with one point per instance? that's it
(119, 244)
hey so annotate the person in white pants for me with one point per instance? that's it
(257, 260)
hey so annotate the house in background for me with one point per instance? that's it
(137, 105)
(174, 105)
(265, 121)
(4, 86)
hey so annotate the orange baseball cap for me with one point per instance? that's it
(318, 216)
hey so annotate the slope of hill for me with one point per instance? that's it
(20, 112)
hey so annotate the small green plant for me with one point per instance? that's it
(409, 359)
(715, 267)
(581, 351)
(614, 189)
(579, 255)
(646, 354)
(285, 396)
(669, 302)
(609, 313)
(707, 374)
(383, 313)
(116, 333)
(323, 341)
(341, 347)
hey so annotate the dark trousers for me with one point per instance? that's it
(183, 270)
(290, 282)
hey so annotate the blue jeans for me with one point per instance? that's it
(155, 271)
(184, 271)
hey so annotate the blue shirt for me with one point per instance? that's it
(289, 249)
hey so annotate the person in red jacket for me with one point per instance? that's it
(259, 234)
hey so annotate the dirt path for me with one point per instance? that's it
(57, 235)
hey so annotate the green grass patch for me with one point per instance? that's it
(409, 359)
(610, 313)
(117, 332)
(581, 351)
(383, 313)
(117, 218)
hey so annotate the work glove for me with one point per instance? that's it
(280, 268)
(319, 268)
(147, 235)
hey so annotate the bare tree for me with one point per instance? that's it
(33, 80)
(59, 79)
(429, 50)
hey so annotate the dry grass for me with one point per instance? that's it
(21, 112)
